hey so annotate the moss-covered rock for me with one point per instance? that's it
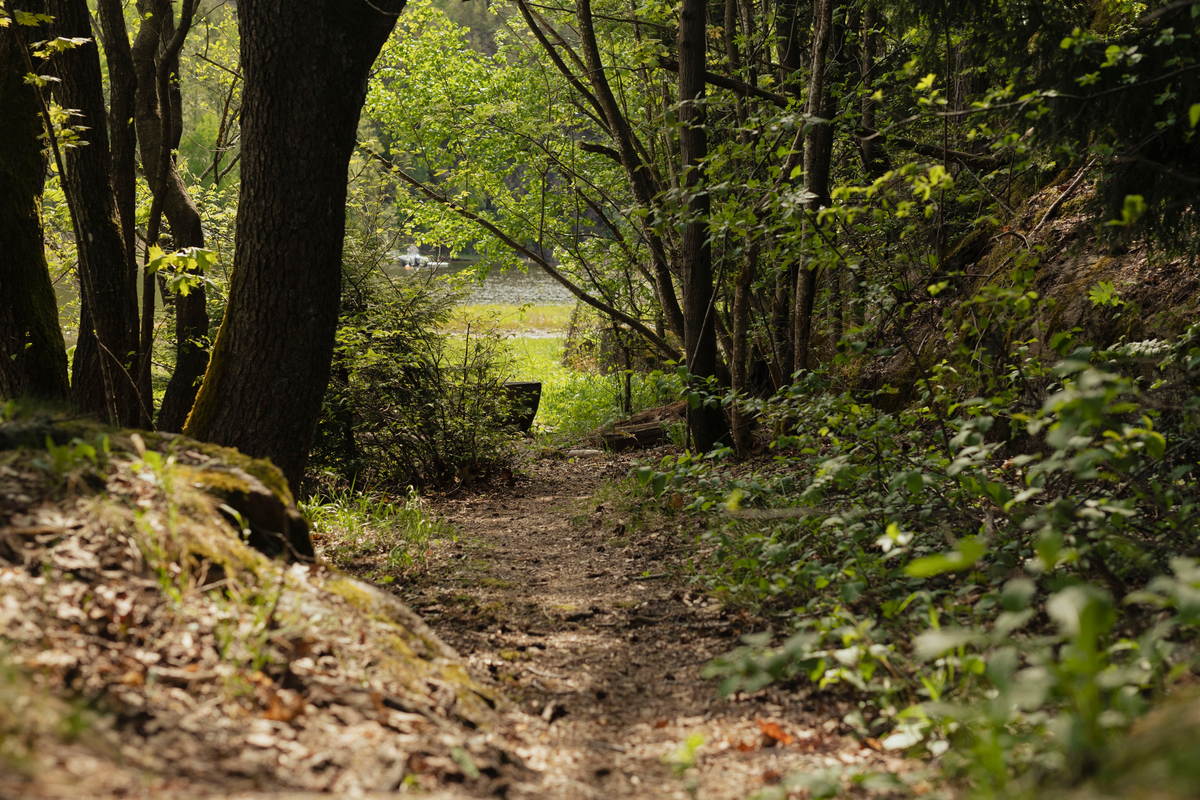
(251, 492)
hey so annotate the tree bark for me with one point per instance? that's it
(305, 69)
(874, 158)
(743, 289)
(191, 310)
(33, 358)
(788, 30)
(818, 155)
(122, 82)
(699, 314)
(108, 308)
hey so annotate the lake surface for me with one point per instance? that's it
(502, 288)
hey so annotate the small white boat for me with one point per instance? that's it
(413, 258)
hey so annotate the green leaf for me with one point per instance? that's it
(1194, 115)
(961, 558)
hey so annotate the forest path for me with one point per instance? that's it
(581, 618)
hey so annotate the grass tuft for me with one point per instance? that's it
(390, 536)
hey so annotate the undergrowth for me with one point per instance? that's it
(1005, 571)
(578, 400)
(388, 536)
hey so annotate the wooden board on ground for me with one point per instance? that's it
(644, 429)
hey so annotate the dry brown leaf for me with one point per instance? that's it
(284, 706)
(775, 733)
(132, 678)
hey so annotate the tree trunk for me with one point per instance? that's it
(743, 441)
(191, 310)
(107, 347)
(699, 313)
(33, 358)
(818, 155)
(788, 31)
(122, 82)
(305, 70)
(874, 158)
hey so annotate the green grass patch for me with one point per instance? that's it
(512, 319)
(392, 534)
(575, 402)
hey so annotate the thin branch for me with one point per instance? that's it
(536, 258)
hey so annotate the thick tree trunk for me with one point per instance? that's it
(305, 70)
(191, 310)
(123, 141)
(33, 359)
(107, 347)
(699, 314)
(122, 82)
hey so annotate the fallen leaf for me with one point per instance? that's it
(775, 733)
(746, 747)
(284, 706)
(661, 723)
(771, 777)
(132, 678)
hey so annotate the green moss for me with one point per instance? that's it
(204, 410)
(352, 592)
(260, 468)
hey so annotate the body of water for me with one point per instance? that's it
(501, 288)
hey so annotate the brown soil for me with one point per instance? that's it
(555, 596)
(145, 651)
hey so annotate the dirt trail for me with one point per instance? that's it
(585, 622)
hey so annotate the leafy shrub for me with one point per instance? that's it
(407, 404)
(1001, 576)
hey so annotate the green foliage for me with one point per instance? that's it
(182, 270)
(994, 574)
(391, 534)
(406, 403)
(578, 400)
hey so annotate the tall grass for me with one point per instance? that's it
(386, 535)
(576, 402)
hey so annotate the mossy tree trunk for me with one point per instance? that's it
(33, 359)
(305, 69)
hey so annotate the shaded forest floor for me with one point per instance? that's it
(559, 595)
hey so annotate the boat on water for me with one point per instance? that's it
(412, 258)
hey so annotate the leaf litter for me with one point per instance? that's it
(146, 651)
(562, 597)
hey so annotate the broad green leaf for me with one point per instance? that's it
(962, 557)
